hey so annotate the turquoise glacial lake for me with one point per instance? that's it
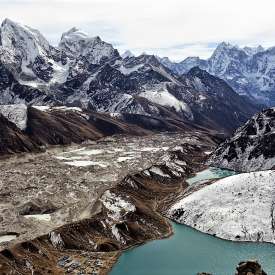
(189, 251)
(210, 173)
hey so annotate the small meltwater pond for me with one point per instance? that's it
(209, 174)
(189, 251)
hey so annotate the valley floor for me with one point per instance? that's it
(74, 202)
(65, 181)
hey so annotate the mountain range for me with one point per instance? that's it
(75, 209)
(250, 71)
(87, 72)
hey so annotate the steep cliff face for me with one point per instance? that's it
(13, 140)
(29, 56)
(252, 146)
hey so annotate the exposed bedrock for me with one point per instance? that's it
(250, 267)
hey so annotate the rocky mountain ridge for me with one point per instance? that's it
(30, 129)
(249, 71)
(251, 148)
(89, 73)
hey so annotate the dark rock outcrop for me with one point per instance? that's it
(249, 268)
(37, 207)
(13, 140)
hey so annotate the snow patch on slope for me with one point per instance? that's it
(116, 206)
(45, 108)
(161, 96)
(16, 114)
(127, 71)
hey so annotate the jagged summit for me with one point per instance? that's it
(7, 21)
(253, 50)
(249, 70)
(76, 43)
(29, 56)
(74, 32)
(127, 54)
(227, 45)
(225, 48)
(13, 29)
(15, 34)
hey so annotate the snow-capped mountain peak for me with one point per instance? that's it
(127, 54)
(253, 50)
(87, 72)
(77, 44)
(225, 45)
(248, 70)
(27, 53)
(74, 33)
(23, 41)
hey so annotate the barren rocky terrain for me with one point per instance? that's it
(74, 202)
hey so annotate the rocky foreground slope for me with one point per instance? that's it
(252, 146)
(13, 140)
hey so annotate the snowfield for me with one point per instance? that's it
(237, 208)
(16, 114)
(162, 97)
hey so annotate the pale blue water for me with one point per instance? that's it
(189, 251)
(211, 173)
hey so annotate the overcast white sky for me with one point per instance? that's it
(174, 28)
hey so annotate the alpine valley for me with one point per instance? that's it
(102, 152)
